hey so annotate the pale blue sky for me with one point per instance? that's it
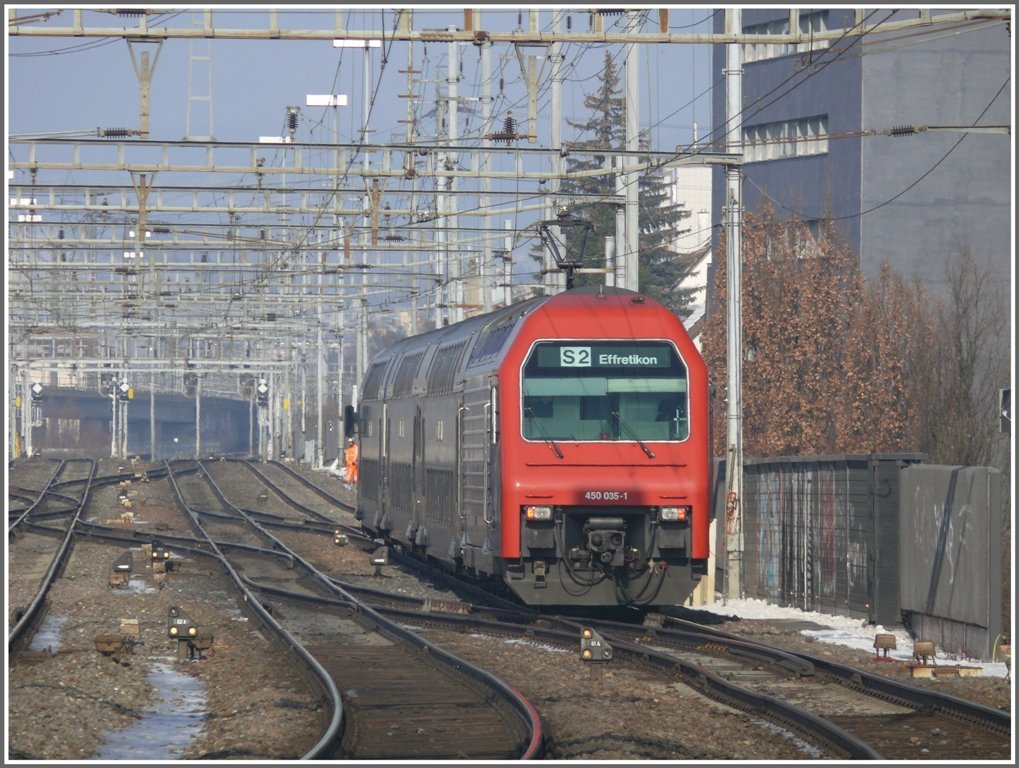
(68, 84)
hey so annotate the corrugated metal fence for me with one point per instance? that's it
(875, 536)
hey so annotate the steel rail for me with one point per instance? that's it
(322, 678)
(33, 614)
(524, 709)
(900, 693)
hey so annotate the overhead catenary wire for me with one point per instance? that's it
(543, 90)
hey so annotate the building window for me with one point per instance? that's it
(809, 23)
(785, 139)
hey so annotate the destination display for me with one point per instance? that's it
(603, 356)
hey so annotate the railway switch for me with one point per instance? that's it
(122, 644)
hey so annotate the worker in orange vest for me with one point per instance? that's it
(351, 456)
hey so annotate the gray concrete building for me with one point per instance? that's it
(816, 121)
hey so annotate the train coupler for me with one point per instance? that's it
(540, 573)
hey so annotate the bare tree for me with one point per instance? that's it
(835, 363)
(800, 294)
(959, 373)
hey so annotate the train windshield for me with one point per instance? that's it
(605, 391)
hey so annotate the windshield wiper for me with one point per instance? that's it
(632, 433)
(548, 439)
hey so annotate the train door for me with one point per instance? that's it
(491, 504)
(460, 513)
(383, 464)
(474, 469)
(417, 514)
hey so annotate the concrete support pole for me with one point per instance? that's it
(486, 269)
(198, 417)
(362, 339)
(734, 319)
(555, 54)
(319, 389)
(619, 241)
(113, 423)
(152, 416)
(456, 312)
(26, 413)
(631, 251)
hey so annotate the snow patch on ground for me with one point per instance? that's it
(842, 630)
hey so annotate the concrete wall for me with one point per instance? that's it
(950, 556)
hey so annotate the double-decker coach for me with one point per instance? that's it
(558, 446)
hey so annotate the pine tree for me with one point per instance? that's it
(660, 268)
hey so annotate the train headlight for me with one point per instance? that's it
(538, 513)
(674, 514)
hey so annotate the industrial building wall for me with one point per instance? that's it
(913, 200)
(950, 556)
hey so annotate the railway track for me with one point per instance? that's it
(303, 519)
(402, 696)
(897, 720)
(847, 711)
(40, 539)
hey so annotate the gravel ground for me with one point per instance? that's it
(65, 703)
(63, 706)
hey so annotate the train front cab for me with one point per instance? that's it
(606, 474)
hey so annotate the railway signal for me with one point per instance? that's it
(593, 647)
(179, 625)
(161, 562)
(182, 628)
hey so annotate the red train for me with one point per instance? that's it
(559, 445)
